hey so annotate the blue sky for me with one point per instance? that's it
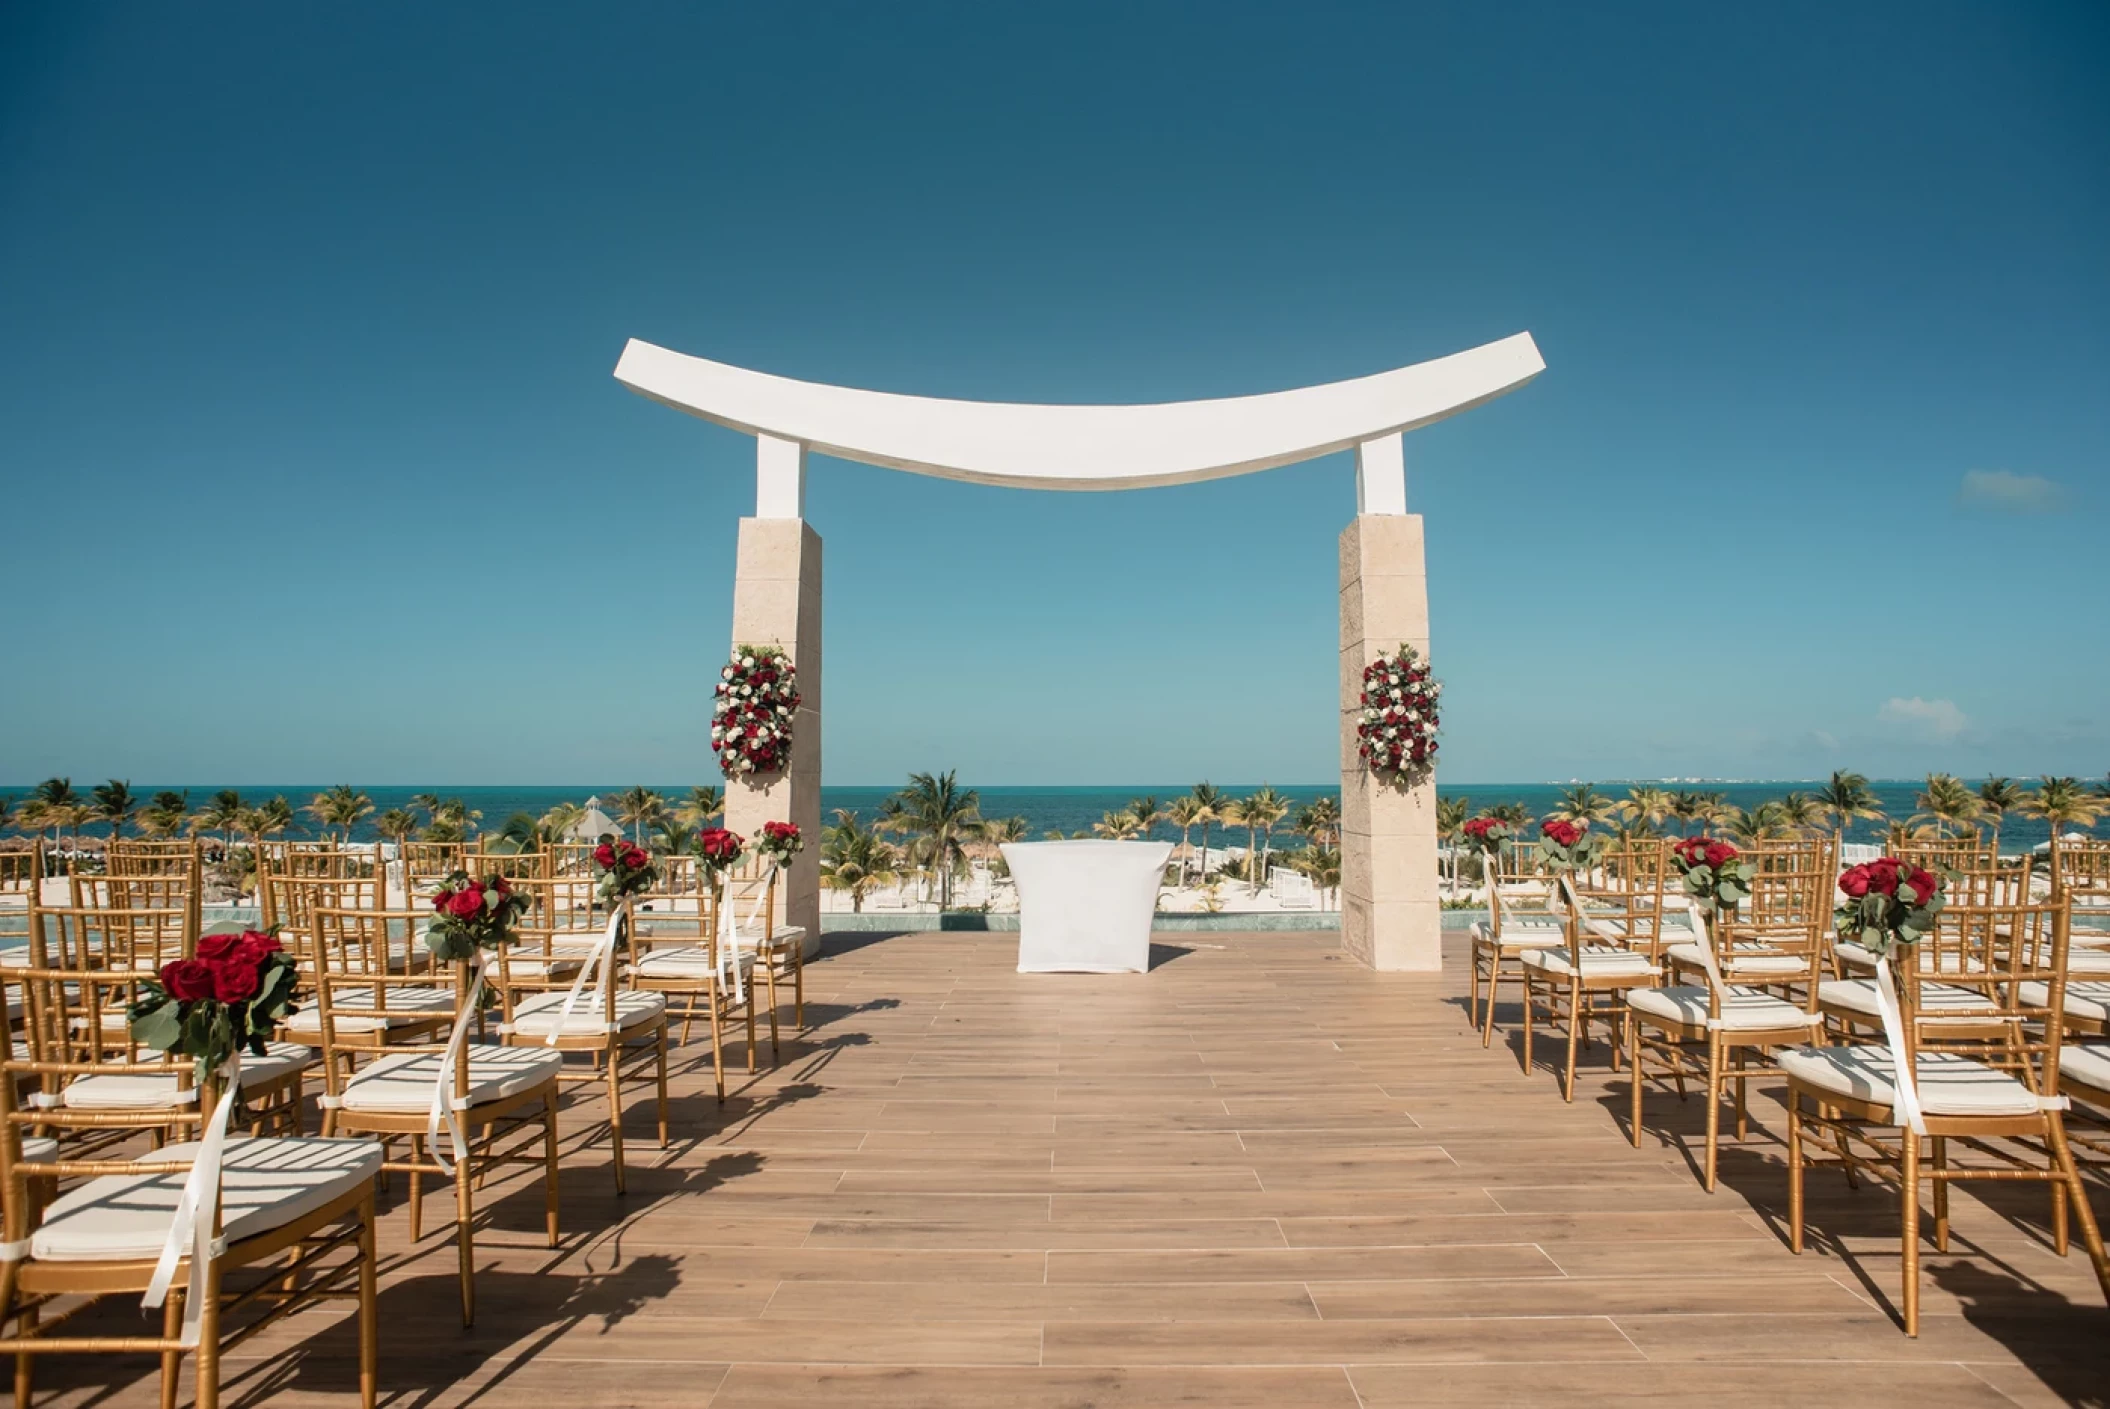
(314, 467)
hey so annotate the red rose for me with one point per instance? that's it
(634, 858)
(1720, 853)
(439, 902)
(1923, 885)
(466, 903)
(235, 981)
(187, 980)
(213, 948)
(256, 948)
(604, 855)
(501, 885)
(1855, 882)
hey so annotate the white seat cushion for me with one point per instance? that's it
(2088, 959)
(1743, 1009)
(691, 961)
(1753, 960)
(2087, 1063)
(402, 1084)
(537, 1016)
(1857, 956)
(780, 937)
(2086, 999)
(1949, 1083)
(150, 1091)
(265, 1184)
(1858, 996)
(405, 1005)
(1598, 961)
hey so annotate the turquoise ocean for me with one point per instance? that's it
(1064, 809)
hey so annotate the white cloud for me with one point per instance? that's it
(1940, 718)
(2009, 492)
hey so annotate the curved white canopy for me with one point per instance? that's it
(1036, 446)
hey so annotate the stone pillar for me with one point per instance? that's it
(777, 602)
(1390, 915)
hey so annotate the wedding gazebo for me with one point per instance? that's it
(1390, 915)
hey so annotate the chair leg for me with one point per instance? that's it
(464, 1237)
(718, 1043)
(209, 1340)
(1714, 1105)
(1743, 1105)
(1575, 1021)
(369, 1308)
(417, 1188)
(750, 1005)
(1524, 1051)
(798, 986)
(1494, 987)
(660, 1047)
(1794, 1173)
(1633, 1042)
(1909, 1191)
(774, 1055)
(549, 1164)
(1473, 1008)
(171, 1360)
(1941, 1193)
(615, 1116)
(2077, 1195)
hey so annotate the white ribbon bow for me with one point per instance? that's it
(598, 963)
(443, 1107)
(197, 1208)
(729, 934)
(1902, 1077)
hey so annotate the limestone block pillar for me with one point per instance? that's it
(777, 602)
(1391, 917)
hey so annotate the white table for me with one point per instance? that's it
(1086, 906)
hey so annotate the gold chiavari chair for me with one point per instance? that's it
(357, 943)
(306, 1204)
(1763, 941)
(1708, 1030)
(1971, 853)
(749, 894)
(674, 951)
(1499, 947)
(623, 1028)
(426, 866)
(1581, 981)
(150, 858)
(532, 864)
(560, 931)
(1971, 1077)
(489, 1104)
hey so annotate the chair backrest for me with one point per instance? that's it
(118, 928)
(746, 896)
(1972, 853)
(289, 901)
(74, 1027)
(353, 1011)
(513, 865)
(1625, 897)
(20, 870)
(358, 940)
(150, 858)
(2005, 955)
(428, 863)
(2004, 883)
(2082, 869)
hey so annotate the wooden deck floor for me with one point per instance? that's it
(1259, 1175)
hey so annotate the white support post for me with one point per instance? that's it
(780, 478)
(1381, 476)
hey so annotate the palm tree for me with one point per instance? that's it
(162, 817)
(1761, 823)
(1116, 826)
(430, 802)
(115, 804)
(1997, 797)
(1184, 812)
(1583, 803)
(224, 813)
(7, 808)
(1323, 865)
(1845, 797)
(2063, 802)
(1690, 807)
(1147, 814)
(557, 823)
(704, 804)
(342, 806)
(1946, 801)
(398, 824)
(941, 815)
(671, 837)
(52, 802)
(1645, 808)
(1451, 815)
(1210, 806)
(639, 807)
(1803, 812)
(275, 818)
(1320, 819)
(856, 860)
(1273, 808)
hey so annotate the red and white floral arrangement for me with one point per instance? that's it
(1397, 733)
(758, 695)
(780, 841)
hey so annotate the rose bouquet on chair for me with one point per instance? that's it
(780, 841)
(1888, 903)
(718, 851)
(1568, 846)
(1715, 874)
(226, 1000)
(626, 870)
(473, 915)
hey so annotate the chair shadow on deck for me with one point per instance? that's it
(1163, 954)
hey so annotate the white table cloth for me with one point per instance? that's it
(1086, 906)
